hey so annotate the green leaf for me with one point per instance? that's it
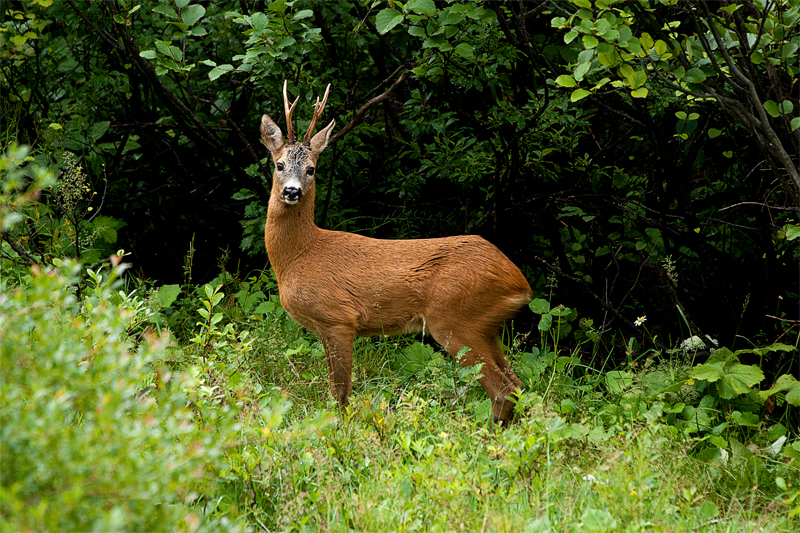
(539, 306)
(166, 10)
(219, 71)
(464, 50)
(730, 9)
(625, 71)
(713, 133)
(546, 322)
(167, 294)
(776, 347)
(579, 94)
(568, 406)
(148, 54)
(191, 14)
(786, 383)
(566, 80)
(413, 358)
(609, 59)
(598, 520)
(618, 381)
(787, 106)
(641, 92)
(99, 129)
(792, 231)
(772, 108)
(259, 20)
(795, 123)
(636, 79)
(708, 509)
(422, 7)
(791, 453)
(304, 14)
(589, 41)
(387, 19)
(695, 75)
(738, 379)
(709, 372)
(163, 47)
(746, 419)
(264, 308)
(581, 70)
(437, 41)
(483, 410)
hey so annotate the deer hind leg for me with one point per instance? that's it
(498, 379)
(338, 344)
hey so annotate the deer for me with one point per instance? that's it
(459, 290)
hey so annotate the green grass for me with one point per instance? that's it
(417, 453)
(414, 464)
(230, 426)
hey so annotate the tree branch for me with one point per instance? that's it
(358, 117)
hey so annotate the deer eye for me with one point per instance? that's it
(279, 166)
(310, 171)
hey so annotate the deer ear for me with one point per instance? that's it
(271, 134)
(320, 141)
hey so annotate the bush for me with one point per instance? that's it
(95, 434)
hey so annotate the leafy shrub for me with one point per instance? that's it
(95, 434)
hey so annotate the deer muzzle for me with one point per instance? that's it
(291, 195)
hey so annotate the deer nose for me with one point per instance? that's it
(292, 195)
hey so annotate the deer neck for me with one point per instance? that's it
(290, 230)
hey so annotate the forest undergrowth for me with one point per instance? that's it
(203, 408)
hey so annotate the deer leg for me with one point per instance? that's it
(338, 344)
(499, 380)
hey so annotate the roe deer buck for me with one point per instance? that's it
(339, 285)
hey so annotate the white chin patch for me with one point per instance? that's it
(290, 202)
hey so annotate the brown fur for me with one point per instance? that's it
(339, 285)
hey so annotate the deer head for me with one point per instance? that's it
(295, 163)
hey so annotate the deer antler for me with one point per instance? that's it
(318, 108)
(288, 110)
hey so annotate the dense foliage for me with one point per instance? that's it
(637, 160)
(616, 144)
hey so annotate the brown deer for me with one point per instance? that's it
(458, 289)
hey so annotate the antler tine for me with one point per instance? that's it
(289, 110)
(319, 107)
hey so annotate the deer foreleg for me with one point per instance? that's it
(338, 344)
